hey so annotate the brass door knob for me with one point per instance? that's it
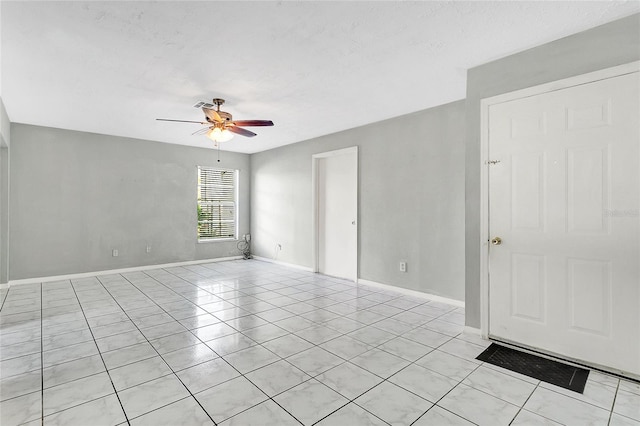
(496, 241)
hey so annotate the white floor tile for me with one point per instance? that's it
(230, 398)
(349, 380)
(138, 372)
(264, 333)
(315, 360)
(594, 393)
(380, 362)
(174, 342)
(183, 412)
(462, 349)
(20, 384)
(423, 382)
(230, 343)
(70, 394)
(277, 377)
(206, 375)
(527, 418)
(310, 401)
(500, 385)
(427, 337)
(352, 415)
(393, 404)
(124, 356)
(151, 395)
(251, 358)
(288, 345)
(629, 386)
(627, 404)
(102, 411)
(564, 409)
(446, 364)
(318, 334)
(72, 370)
(189, 356)
(346, 347)
(371, 335)
(478, 407)
(119, 341)
(405, 348)
(21, 409)
(69, 353)
(266, 413)
(619, 420)
(441, 417)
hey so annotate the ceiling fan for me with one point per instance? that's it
(220, 125)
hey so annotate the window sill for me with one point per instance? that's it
(216, 240)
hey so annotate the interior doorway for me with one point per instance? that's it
(335, 213)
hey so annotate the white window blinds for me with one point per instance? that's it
(217, 207)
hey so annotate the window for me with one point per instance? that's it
(217, 206)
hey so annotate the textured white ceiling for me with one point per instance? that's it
(312, 67)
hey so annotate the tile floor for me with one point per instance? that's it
(252, 343)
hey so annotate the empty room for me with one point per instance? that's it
(309, 212)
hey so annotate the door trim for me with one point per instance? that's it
(315, 239)
(484, 166)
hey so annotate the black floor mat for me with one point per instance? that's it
(547, 370)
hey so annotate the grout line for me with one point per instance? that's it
(221, 357)
(6, 294)
(154, 348)
(525, 403)
(297, 286)
(260, 344)
(613, 403)
(41, 361)
(99, 352)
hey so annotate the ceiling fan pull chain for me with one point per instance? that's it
(218, 153)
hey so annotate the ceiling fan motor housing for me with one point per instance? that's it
(225, 116)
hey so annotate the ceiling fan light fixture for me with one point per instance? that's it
(219, 135)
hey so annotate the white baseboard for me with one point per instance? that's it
(116, 271)
(288, 265)
(415, 293)
(472, 330)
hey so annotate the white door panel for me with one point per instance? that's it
(337, 177)
(564, 198)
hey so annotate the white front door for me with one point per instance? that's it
(564, 197)
(337, 203)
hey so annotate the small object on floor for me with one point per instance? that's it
(547, 370)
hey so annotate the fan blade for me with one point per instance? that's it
(241, 131)
(251, 123)
(212, 115)
(201, 131)
(182, 121)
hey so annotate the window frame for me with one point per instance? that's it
(236, 179)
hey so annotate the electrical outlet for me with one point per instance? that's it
(114, 253)
(403, 266)
(148, 249)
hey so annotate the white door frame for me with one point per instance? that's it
(315, 239)
(484, 165)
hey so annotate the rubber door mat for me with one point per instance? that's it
(547, 370)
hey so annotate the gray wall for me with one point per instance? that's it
(411, 199)
(76, 196)
(609, 45)
(5, 137)
(4, 214)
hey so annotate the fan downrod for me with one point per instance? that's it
(218, 102)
